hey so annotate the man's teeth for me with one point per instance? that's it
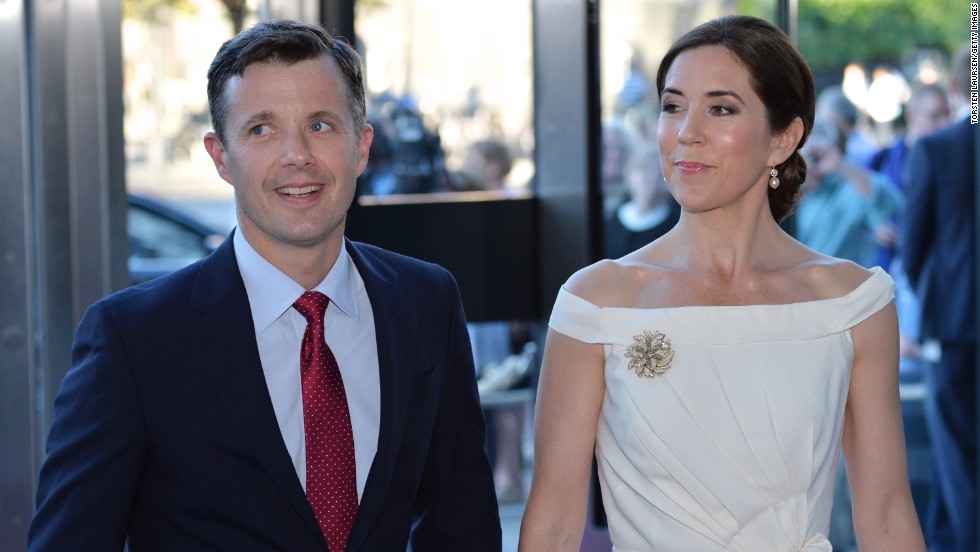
(299, 191)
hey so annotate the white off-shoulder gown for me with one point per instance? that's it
(735, 447)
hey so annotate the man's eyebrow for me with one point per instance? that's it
(328, 115)
(324, 114)
(259, 117)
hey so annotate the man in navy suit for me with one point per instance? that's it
(180, 425)
(938, 245)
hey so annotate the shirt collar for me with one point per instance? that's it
(279, 291)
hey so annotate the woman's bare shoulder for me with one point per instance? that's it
(612, 282)
(829, 277)
(592, 282)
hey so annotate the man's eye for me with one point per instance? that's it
(320, 126)
(258, 130)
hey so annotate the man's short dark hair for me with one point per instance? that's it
(283, 42)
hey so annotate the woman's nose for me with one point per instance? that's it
(689, 129)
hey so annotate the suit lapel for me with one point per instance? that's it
(396, 345)
(230, 352)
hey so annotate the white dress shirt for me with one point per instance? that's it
(349, 332)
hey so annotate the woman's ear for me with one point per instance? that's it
(784, 143)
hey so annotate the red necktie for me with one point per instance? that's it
(331, 484)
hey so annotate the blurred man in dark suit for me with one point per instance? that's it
(938, 246)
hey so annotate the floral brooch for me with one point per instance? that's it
(650, 354)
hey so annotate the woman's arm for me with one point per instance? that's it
(874, 441)
(567, 412)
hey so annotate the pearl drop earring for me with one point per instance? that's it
(774, 181)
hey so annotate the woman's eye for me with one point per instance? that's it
(722, 110)
(669, 107)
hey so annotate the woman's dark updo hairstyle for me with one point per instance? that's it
(777, 74)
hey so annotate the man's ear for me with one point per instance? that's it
(217, 152)
(364, 147)
(784, 143)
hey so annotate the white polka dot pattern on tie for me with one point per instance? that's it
(331, 484)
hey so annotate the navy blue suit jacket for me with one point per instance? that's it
(939, 232)
(164, 431)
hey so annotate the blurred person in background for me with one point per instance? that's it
(926, 111)
(938, 249)
(845, 208)
(642, 119)
(617, 146)
(417, 154)
(379, 177)
(834, 106)
(409, 158)
(490, 162)
(647, 213)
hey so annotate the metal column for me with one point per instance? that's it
(63, 229)
(18, 312)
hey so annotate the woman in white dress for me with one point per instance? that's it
(717, 372)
